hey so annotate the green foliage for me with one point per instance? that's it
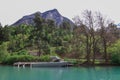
(44, 58)
(18, 58)
(25, 58)
(5, 34)
(72, 61)
(61, 50)
(115, 58)
(114, 50)
(3, 50)
(22, 52)
(46, 49)
(45, 38)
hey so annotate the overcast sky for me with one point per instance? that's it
(12, 10)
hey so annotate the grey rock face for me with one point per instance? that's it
(51, 14)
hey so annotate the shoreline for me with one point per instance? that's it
(98, 65)
(77, 64)
(102, 64)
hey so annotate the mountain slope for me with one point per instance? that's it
(51, 14)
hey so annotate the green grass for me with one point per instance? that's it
(80, 61)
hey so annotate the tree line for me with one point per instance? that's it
(93, 37)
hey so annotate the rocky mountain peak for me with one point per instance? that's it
(53, 11)
(51, 14)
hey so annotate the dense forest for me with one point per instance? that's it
(93, 39)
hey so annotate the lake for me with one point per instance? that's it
(67, 73)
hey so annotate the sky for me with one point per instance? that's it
(12, 10)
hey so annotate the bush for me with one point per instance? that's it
(18, 58)
(72, 61)
(115, 58)
(3, 51)
(22, 52)
(44, 58)
(25, 58)
(61, 50)
(46, 49)
(114, 49)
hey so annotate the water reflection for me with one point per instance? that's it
(81, 73)
(102, 73)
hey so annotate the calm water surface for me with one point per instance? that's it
(81, 73)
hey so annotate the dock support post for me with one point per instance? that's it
(23, 65)
(31, 65)
(18, 65)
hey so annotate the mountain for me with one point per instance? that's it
(51, 14)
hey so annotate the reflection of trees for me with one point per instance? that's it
(81, 73)
(98, 73)
(102, 73)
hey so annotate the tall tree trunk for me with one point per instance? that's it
(94, 52)
(105, 50)
(39, 47)
(88, 50)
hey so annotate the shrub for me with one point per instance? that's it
(44, 58)
(114, 49)
(46, 49)
(61, 50)
(22, 52)
(115, 58)
(25, 58)
(3, 51)
(18, 58)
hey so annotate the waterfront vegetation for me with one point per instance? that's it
(93, 39)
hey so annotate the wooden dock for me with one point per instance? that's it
(41, 64)
(23, 64)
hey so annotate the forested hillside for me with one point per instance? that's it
(94, 39)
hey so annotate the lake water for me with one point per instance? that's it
(81, 73)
